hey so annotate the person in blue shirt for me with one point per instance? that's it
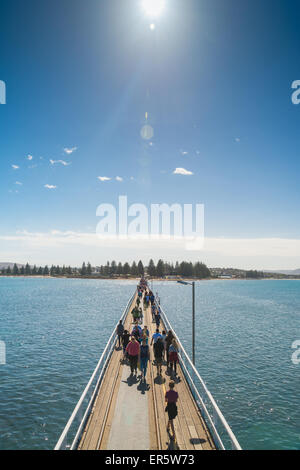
(155, 336)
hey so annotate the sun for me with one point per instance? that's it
(153, 7)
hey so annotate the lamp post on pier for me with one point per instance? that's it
(193, 317)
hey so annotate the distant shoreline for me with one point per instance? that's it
(95, 278)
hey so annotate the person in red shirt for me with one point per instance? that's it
(133, 350)
(171, 398)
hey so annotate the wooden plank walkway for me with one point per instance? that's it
(102, 429)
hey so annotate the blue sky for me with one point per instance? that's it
(215, 79)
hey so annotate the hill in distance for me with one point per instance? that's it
(288, 272)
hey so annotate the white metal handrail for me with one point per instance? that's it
(69, 438)
(186, 364)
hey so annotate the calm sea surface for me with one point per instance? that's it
(56, 329)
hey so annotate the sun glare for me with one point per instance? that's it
(153, 7)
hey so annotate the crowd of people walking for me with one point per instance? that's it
(137, 346)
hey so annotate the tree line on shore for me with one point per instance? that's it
(184, 269)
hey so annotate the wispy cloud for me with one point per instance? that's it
(29, 157)
(50, 186)
(15, 167)
(62, 162)
(104, 178)
(68, 151)
(119, 178)
(237, 139)
(184, 152)
(18, 183)
(182, 171)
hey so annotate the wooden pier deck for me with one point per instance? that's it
(130, 415)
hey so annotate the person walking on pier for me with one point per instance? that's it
(144, 358)
(173, 356)
(141, 316)
(125, 341)
(137, 332)
(120, 331)
(135, 314)
(153, 311)
(169, 339)
(164, 335)
(157, 319)
(171, 398)
(133, 350)
(145, 333)
(158, 354)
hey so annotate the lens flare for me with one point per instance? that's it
(153, 7)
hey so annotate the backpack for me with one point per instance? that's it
(158, 348)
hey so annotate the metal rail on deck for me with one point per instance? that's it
(72, 433)
(212, 415)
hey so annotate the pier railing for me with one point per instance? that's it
(220, 430)
(72, 433)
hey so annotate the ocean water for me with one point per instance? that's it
(56, 329)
